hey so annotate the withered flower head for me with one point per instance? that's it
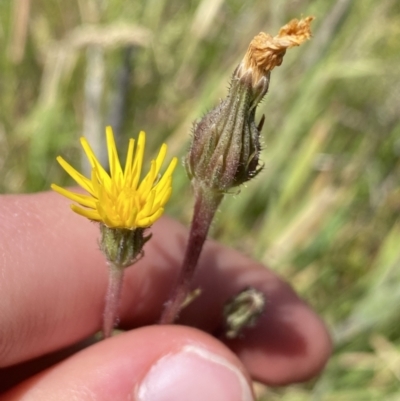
(266, 52)
(225, 148)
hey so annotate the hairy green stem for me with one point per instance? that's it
(206, 204)
(116, 275)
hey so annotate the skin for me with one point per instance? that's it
(52, 286)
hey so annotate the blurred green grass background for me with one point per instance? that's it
(324, 213)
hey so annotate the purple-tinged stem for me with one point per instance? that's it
(113, 296)
(206, 204)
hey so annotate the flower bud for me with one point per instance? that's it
(226, 142)
(243, 311)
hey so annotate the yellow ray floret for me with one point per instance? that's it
(120, 199)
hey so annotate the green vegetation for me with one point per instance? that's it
(324, 213)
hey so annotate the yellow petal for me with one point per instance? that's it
(129, 158)
(91, 156)
(148, 221)
(138, 160)
(113, 159)
(80, 179)
(148, 207)
(168, 172)
(83, 200)
(160, 157)
(88, 213)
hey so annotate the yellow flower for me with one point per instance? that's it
(119, 199)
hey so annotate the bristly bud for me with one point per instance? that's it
(122, 247)
(226, 142)
(243, 311)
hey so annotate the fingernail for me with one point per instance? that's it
(193, 374)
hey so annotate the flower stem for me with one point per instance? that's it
(116, 275)
(206, 204)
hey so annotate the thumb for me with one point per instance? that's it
(157, 363)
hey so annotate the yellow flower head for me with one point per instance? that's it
(119, 199)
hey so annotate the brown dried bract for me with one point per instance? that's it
(266, 52)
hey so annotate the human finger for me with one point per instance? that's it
(155, 363)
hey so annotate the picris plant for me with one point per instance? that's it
(225, 147)
(124, 205)
(224, 154)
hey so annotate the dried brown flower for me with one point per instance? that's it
(266, 52)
